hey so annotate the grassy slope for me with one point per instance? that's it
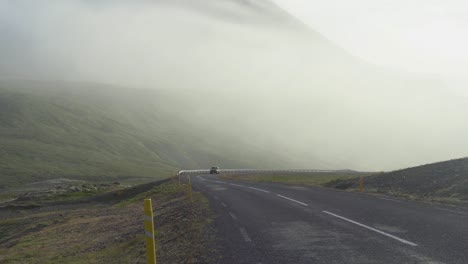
(441, 181)
(109, 229)
(89, 131)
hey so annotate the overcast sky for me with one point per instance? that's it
(416, 35)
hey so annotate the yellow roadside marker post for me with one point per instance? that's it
(361, 184)
(190, 189)
(149, 233)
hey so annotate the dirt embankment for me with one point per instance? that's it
(107, 227)
(439, 182)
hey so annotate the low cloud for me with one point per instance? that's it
(248, 66)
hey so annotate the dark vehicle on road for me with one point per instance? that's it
(214, 170)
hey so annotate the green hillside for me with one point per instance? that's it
(100, 132)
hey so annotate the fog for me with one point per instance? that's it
(248, 67)
(418, 35)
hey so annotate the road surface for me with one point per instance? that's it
(274, 223)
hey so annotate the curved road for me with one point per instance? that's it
(275, 223)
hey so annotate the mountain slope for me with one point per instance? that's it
(96, 132)
(249, 71)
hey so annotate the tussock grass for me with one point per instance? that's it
(108, 232)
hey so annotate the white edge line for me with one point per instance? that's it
(373, 229)
(233, 216)
(389, 199)
(238, 185)
(292, 200)
(210, 181)
(223, 204)
(451, 211)
(259, 189)
(245, 235)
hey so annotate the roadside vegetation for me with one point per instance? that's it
(311, 179)
(106, 226)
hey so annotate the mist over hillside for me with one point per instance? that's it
(242, 70)
(97, 132)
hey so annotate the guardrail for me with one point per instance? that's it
(259, 171)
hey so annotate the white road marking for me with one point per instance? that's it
(223, 204)
(245, 235)
(389, 199)
(259, 189)
(452, 211)
(233, 216)
(292, 200)
(209, 180)
(238, 185)
(373, 229)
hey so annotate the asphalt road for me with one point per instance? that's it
(275, 223)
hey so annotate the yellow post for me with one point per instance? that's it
(361, 184)
(149, 233)
(190, 189)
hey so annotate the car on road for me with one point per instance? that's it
(214, 170)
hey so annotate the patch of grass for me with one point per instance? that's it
(103, 233)
(162, 190)
(69, 196)
(130, 251)
(312, 179)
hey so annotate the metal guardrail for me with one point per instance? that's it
(259, 171)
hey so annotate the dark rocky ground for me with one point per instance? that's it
(441, 182)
